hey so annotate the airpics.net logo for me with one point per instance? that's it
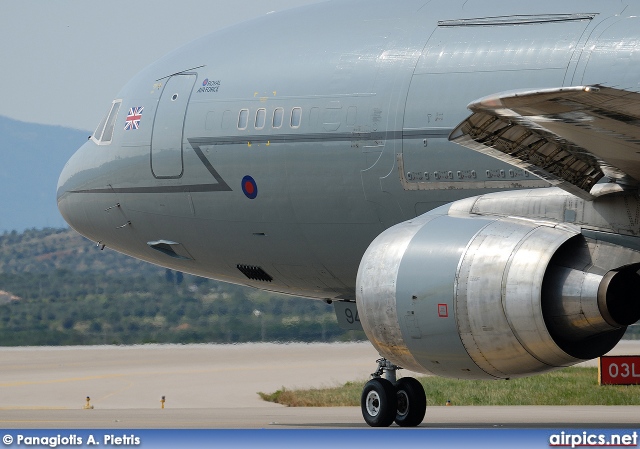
(586, 439)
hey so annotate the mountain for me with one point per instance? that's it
(31, 159)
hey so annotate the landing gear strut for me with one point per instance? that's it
(385, 400)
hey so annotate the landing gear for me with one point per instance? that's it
(384, 400)
(412, 402)
(378, 402)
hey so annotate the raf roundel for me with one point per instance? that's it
(205, 82)
(249, 187)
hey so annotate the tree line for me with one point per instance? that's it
(62, 291)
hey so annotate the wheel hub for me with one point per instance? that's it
(373, 403)
(403, 403)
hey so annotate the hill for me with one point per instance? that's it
(31, 159)
(57, 288)
(58, 249)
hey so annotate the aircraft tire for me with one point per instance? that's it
(378, 402)
(412, 402)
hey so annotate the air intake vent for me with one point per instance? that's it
(254, 273)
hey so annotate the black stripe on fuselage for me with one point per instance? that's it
(221, 186)
(441, 133)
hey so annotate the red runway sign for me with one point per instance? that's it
(619, 370)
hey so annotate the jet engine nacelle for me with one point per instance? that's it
(470, 296)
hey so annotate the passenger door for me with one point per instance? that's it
(168, 127)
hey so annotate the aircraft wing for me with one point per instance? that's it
(569, 136)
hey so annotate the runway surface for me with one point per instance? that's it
(215, 386)
(279, 417)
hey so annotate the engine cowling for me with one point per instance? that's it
(493, 297)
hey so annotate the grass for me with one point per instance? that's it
(570, 386)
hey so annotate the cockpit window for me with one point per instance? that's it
(104, 131)
(97, 135)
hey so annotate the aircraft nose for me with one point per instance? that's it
(70, 183)
(86, 198)
(64, 179)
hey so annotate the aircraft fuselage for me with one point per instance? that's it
(273, 152)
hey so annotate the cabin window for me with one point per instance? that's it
(278, 116)
(261, 117)
(104, 132)
(296, 117)
(243, 119)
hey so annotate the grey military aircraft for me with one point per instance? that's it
(460, 177)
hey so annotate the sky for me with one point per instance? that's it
(63, 61)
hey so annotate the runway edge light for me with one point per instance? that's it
(88, 405)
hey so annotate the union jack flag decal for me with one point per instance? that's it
(133, 118)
